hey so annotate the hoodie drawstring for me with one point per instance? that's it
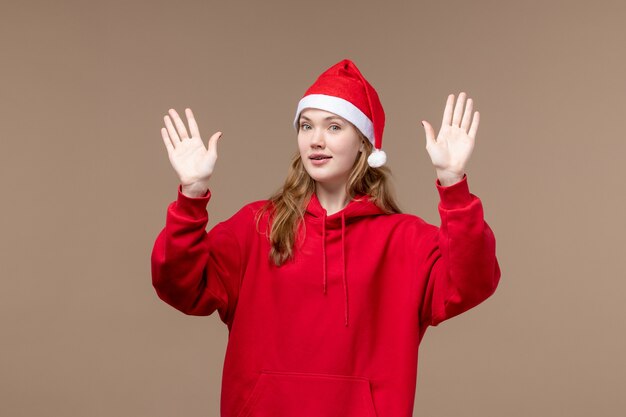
(324, 251)
(343, 259)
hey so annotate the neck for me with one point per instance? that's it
(332, 198)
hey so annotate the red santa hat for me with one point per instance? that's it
(343, 90)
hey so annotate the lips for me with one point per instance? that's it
(319, 156)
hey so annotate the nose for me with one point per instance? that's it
(317, 139)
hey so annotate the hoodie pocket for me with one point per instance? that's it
(287, 394)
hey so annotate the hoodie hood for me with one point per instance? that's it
(360, 206)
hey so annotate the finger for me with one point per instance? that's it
(193, 126)
(474, 127)
(467, 115)
(430, 133)
(166, 140)
(458, 110)
(212, 146)
(447, 112)
(182, 130)
(171, 130)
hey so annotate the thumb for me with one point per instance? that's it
(212, 146)
(430, 133)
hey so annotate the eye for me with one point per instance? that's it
(337, 126)
(302, 126)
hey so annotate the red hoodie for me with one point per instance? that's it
(336, 331)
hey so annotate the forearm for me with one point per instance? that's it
(179, 259)
(468, 270)
(461, 269)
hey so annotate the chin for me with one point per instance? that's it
(316, 177)
(324, 180)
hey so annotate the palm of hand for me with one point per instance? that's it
(451, 150)
(454, 144)
(193, 162)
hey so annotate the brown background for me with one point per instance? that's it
(86, 182)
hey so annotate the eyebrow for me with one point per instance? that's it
(325, 118)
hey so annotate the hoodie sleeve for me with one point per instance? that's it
(460, 269)
(194, 271)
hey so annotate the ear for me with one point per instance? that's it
(362, 148)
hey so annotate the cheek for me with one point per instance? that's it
(350, 149)
(301, 145)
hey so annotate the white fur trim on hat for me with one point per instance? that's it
(340, 107)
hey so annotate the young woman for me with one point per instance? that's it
(326, 287)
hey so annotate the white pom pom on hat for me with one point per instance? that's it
(343, 90)
(377, 158)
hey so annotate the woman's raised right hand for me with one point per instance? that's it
(190, 159)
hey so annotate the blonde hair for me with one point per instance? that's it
(287, 205)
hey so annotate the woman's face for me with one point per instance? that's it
(325, 135)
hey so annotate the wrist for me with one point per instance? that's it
(448, 178)
(194, 190)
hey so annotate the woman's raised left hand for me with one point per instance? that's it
(453, 146)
